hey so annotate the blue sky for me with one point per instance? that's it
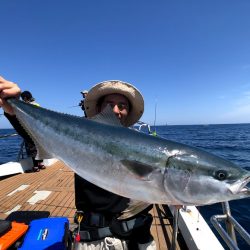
(190, 59)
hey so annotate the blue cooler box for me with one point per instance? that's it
(47, 233)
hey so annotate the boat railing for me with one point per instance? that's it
(144, 127)
(20, 154)
(143, 124)
(231, 226)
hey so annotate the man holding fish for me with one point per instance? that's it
(145, 169)
(109, 220)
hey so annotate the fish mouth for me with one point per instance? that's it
(241, 187)
(245, 188)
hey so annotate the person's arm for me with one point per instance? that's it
(18, 127)
(8, 89)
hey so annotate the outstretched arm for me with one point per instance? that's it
(8, 89)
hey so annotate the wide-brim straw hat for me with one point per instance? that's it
(116, 87)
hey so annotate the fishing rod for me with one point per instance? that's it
(81, 103)
(74, 106)
(154, 132)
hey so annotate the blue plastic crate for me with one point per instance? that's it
(47, 233)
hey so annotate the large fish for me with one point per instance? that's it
(130, 163)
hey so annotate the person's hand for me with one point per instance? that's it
(8, 89)
(178, 206)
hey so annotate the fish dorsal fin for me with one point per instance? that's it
(107, 116)
(140, 170)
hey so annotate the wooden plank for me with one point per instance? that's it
(162, 229)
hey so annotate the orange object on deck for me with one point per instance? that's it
(16, 232)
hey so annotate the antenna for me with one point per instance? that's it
(154, 133)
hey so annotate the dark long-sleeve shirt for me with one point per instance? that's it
(18, 127)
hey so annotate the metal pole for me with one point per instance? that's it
(175, 229)
(229, 225)
(225, 236)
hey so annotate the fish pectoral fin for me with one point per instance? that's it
(139, 169)
(134, 207)
(107, 116)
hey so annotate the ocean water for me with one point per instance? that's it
(231, 142)
(9, 146)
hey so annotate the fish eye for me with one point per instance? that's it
(221, 175)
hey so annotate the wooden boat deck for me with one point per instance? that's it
(50, 192)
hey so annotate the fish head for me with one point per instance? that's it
(200, 178)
